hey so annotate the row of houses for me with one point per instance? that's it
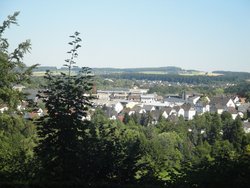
(116, 103)
(187, 107)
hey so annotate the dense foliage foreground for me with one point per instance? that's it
(113, 153)
(61, 149)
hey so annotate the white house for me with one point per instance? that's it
(168, 111)
(180, 111)
(221, 104)
(236, 99)
(230, 103)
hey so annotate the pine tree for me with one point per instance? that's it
(67, 99)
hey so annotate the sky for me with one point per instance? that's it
(205, 35)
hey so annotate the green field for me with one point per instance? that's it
(153, 72)
(42, 73)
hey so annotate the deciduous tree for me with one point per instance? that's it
(67, 99)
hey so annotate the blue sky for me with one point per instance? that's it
(193, 34)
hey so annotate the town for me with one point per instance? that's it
(118, 103)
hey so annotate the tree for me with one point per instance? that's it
(12, 68)
(202, 152)
(126, 118)
(215, 129)
(146, 119)
(226, 116)
(67, 99)
(234, 133)
(17, 136)
(161, 158)
(17, 140)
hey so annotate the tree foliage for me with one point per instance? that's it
(17, 136)
(13, 71)
(60, 132)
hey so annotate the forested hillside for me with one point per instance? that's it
(191, 79)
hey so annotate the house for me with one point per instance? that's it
(220, 104)
(218, 108)
(244, 107)
(168, 111)
(236, 99)
(179, 110)
(233, 112)
(189, 111)
(164, 114)
(202, 105)
(138, 109)
(110, 112)
(201, 108)
(148, 108)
